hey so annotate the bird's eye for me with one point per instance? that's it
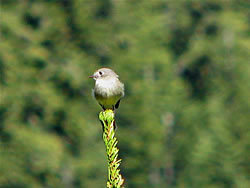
(100, 73)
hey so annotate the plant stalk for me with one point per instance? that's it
(107, 119)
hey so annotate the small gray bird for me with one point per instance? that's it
(108, 89)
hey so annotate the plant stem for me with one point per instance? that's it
(107, 119)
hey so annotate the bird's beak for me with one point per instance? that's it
(92, 76)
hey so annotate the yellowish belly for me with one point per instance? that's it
(107, 102)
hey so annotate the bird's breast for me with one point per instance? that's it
(108, 88)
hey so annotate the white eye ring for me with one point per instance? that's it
(100, 72)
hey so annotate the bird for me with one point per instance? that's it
(108, 89)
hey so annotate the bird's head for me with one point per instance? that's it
(103, 73)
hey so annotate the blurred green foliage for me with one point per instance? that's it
(184, 121)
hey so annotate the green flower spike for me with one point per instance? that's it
(115, 179)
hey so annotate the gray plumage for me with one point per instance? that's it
(108, 89)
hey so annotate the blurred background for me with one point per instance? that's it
(184, 121)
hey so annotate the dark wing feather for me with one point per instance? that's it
(117, 104)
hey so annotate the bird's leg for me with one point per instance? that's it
(114, 125)
(102, 107)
